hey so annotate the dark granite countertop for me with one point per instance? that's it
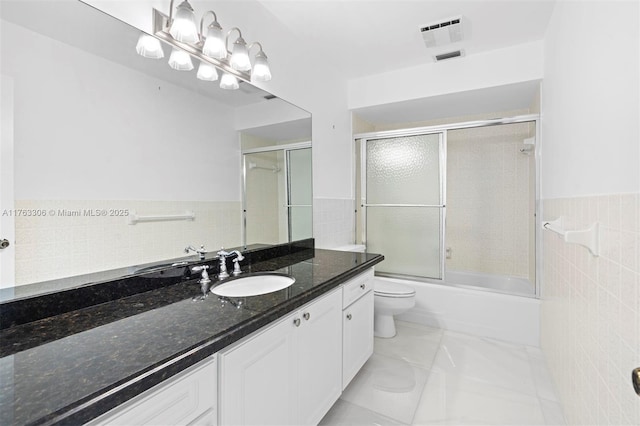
(74, 366)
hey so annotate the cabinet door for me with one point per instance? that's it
(357, 336)
(186, 399)
(320, 357)
(258, 378)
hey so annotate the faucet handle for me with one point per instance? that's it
(205, 275)
(201, 251)
(236, 265)
(204, 281)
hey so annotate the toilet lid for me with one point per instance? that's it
(386, 288)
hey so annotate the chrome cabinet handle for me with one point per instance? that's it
(296, 322)
(362, 286)
(635, 379)
(349, 316)
(306, 316)
(4, 243)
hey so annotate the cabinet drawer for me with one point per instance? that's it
(187, 399)
(357, 287)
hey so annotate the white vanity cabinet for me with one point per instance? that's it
(188, 398)
(357, 331)
(287, 374)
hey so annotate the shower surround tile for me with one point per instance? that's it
(333, 222)
(591, 309)
(490, 193)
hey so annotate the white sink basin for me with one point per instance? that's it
(253, 285)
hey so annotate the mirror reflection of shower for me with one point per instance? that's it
(277, 194)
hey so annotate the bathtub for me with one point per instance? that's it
(510, 318)
(500, 283)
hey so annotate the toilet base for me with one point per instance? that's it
(384, 326)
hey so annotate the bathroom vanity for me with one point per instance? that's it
(282, 357)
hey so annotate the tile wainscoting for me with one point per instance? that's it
(72, 239)
(333, 222)
(590, 331)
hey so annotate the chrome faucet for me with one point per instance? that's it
(201, 251)
(222, 254)
(205, 281)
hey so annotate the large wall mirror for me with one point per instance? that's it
(101, 135)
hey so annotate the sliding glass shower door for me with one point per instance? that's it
(403, 203)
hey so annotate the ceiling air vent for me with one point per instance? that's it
(448, 55)
(443, 32)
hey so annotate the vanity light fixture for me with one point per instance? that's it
(149, 47)
(240, 54)
(180, 31)
(180, 60)
(261, 70)
(229, 82)
(183, 27)
(207, 72)
(214, 43)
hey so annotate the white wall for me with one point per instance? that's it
(590, 328)
(590, 100)
(494, 68)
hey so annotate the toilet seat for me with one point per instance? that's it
(387, 289)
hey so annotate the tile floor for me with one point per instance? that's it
(428, 376)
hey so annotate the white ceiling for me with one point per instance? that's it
(365, 37)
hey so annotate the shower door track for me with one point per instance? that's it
(452, 126)
(403, 205)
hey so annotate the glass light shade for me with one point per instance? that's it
(240, 56)
(180, 60)
(214, 45)
(261, 71)
(149, 47)
(207, 72)
(184, 27)
(229, 82)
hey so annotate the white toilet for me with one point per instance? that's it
(390, 298)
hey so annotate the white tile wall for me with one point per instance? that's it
(489, 200)
(333, 222)
(56, 246)
(591, 309)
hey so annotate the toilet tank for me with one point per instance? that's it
(359, 248)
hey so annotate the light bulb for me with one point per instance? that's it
(261, 71)
(149, 47)
(207, 72)
(229, 82)
(184, 27)
(180, 60)
(240, 56)
(214, 45)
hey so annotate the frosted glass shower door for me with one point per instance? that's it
(404, 203)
